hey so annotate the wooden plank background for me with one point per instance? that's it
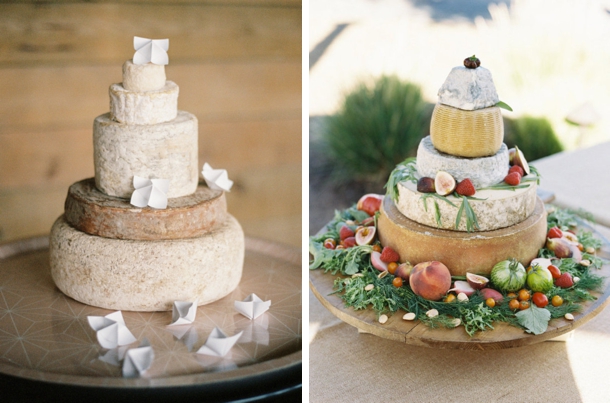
(238, 66)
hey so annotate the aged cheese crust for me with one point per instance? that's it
(468, 89)
(144, 108)
(143, 77)
(146, 275)
(502, 208)
(467, 133)
(462, 252)
(165, 150)
(482, 171)
(94, 213)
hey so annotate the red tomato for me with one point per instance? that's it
(554, 271)
(540, 299)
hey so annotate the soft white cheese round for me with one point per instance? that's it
(131, 275)
(144, 108)
(143, 77)
(162, 151)
(468, 89)
(483, 171)
(500, 209)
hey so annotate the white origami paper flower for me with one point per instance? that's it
(218, 343)
(252, 307)
(110, 330)
(138, 360)
(183, 313)
(150, 51)
(150, 192)
(217, 179)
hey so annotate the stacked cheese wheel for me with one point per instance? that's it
(466, 141)
(106, 252)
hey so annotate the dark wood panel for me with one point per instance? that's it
(93, 33)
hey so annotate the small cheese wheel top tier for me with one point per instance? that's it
(482, 171)
(162, 151)
(477, 133)
(144, 108)
(468, 89)
(500, 209)
(143, 77)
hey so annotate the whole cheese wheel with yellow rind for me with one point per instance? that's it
(498, 209)
(477, 133)
(462, 252)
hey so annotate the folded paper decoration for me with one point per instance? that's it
(183, 313)
(218, 343)
(138, 360)
(150, 192)
(110, 330)
(217, 179)
(252, 307)
(186, 334)
(150, 51)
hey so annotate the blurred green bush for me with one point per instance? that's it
(534, 136)
(379, 125)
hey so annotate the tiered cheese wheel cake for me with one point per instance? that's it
(106, 252)
(466, 141)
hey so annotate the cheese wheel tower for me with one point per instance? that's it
(466, 141)
(107, 253)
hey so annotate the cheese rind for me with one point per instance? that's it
(161, 151)
(143, 77)
(131, 275)
(468, 89)
(482, 171)
(144, 108)
(499, 209)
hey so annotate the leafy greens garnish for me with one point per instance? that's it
(405, 171)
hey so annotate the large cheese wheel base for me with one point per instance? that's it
(95, 213)
(146, 275)
(461, 252)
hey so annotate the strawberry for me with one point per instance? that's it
(389, 255)
(554, 233)
(513, 179)
(517, 168)
(349, 242)
(346, 232)
(465, 188)
(564, 281)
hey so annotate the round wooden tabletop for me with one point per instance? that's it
(416, 333)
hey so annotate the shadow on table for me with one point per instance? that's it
(442, 10)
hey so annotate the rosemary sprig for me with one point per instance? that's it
(405, 171)
(471, 217)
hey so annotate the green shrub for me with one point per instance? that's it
(534, 136)
(378, 126)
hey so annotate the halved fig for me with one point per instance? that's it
(520, 161)
(463, 287)
(365, 235)
(444, 183)
(377, 263)
(477, 282)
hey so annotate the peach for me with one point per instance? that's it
(430, 280)
(370, 203)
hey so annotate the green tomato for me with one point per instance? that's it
(508, 275)
(539, 279)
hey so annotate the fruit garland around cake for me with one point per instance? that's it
(552, 286)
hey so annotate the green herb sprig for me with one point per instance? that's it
(405, 171)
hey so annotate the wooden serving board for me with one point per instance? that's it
(416, 333)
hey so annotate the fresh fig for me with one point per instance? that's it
(520, 161)
(426, 185)
(377, 263)
(370, 203)
(444, 183)
(491, 293)
(511, 155)
(404, 271)
(477, 282)
(462, 287)
(365, 235)
(560, 247)
(576, 253)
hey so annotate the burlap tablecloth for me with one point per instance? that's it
(345, 366)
